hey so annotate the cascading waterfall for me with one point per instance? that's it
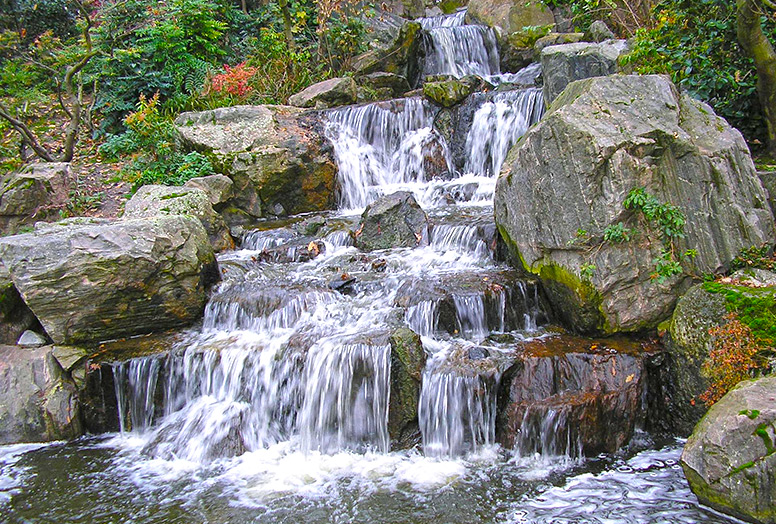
(282, 358)
(497, 125)
(382, 147)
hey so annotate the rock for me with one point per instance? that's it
(408, 358)
(273, 155)
(679, 381)
(516, 50)
(384, 85)
(562, 64)
(36, 193)
(601, 139)
(509, 16)
(589, 390)
(15, 316)
(555, 39)
(329, 93)
(344, 284)
(768, 178)
(155, 200)
(396, 57)
(217, 187)
(395, 220)
(38, 400)
(452, 91)
(730, 458)
(93, 282)
(30, 339)
(599, 32)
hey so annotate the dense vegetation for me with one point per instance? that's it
(73, 70)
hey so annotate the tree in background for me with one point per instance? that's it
(756, 44)
(57, 63)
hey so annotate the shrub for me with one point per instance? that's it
(149, 142)
(736, 355)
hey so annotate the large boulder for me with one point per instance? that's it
(565, 63)
(278, 160)
(589, 391)
(218, 188)
(155, 200)
(509, 16)
(328, 93)
(565, 182)
(100, 280)
(38, 399)
(730, 458)
(38, 192)
(395, 220)
(689, 345)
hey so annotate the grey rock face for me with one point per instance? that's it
(509, 16)
(599, 31)
(38, 400)
(155, 200)
(563, 64)
(329, 93)
(601, 139)
(274, 155)
(30, 339)
(395, 220)
(93, 282)
(730, 458)
(36, 193)
(218, 188)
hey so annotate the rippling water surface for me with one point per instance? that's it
(106, 480)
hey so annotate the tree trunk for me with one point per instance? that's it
(756, 44)
(287, 24)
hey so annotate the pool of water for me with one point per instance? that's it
(109, 480)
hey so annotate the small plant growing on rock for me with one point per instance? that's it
(617, 233)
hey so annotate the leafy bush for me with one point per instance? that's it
(149, 141)
(735, 356)
(695, 42)
(167, 48)
(624, 16)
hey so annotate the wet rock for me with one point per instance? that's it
(218, 188)
(516, 50)
(563, 64)
(600, 140)
(408, 358)
(395, 220)
(38, 192)
(91, 282)
(570, 395)
(329, 93)
(396, 56)
(730, 458)
(344, 284)
(38, 400)
(384, 85)
(768, 179)
(30, 339)
(274, 155)
(447, 93)
(509, 16)
(599, 32)
(299, 250)
(155, 200)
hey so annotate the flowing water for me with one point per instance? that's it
(276, 409)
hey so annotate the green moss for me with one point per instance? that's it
(762, 432)
(742, 467)
(751, 413)
(755, 307)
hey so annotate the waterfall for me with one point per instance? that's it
(461, 50)
(496, 127)
(382, 147)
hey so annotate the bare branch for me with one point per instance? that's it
(26, 133)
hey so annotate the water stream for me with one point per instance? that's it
(276, 409)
